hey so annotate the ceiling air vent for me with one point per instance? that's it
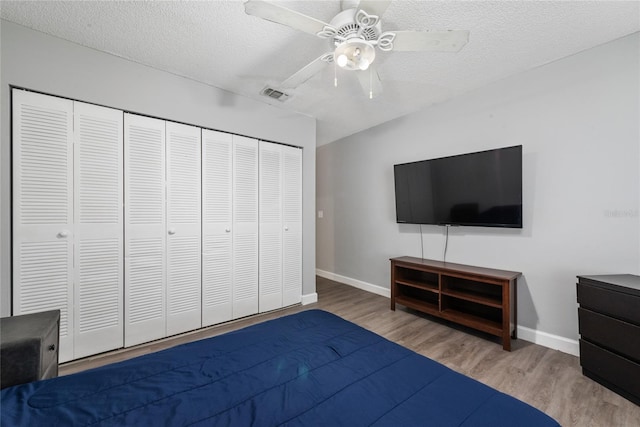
(274, 93)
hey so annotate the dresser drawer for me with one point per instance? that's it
(616, 304)
(615, 372)
(619, 336)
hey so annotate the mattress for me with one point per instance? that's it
(307, 369)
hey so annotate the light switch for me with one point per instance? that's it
(320, 214)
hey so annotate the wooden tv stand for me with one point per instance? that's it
(477, 297)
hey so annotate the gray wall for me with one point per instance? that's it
(577, 120)
(40, 62)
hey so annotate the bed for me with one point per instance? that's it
(307, 369)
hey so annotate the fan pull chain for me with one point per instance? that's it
(370, 83)
(335, 74)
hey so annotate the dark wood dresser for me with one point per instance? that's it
(29, 347)
(609, 324)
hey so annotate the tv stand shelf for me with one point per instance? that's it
(480, 298)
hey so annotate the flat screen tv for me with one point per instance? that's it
(475, 189)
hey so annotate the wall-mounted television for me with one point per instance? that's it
(475, 189)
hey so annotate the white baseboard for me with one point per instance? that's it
(309, 298)
(545, 339)
(375, 289)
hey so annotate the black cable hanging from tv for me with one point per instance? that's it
(421, 243)
(446, 243)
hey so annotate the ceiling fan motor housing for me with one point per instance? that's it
(347, 27)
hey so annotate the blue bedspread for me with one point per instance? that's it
(307, 369)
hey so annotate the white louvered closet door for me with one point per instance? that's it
(145, 230)
(43, 209)
(217, 234)
(292, 226)
(245, 226)
(270, 213)
(184, 222)
(98, 181)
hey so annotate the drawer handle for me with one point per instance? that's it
(52, 347)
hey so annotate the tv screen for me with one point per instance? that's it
(477, 189)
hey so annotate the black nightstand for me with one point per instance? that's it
(29, 347)
(609, 320)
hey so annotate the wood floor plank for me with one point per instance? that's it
(547, 379)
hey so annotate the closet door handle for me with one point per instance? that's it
(172, 231)
(228, 230)
(286, 229)
(63, 234)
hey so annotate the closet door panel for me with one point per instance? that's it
(145, 229)
(292, 226)
(217, 233)
(98, 194)
(43, 209)
(245, 226)
(184, 284)
(270, 213)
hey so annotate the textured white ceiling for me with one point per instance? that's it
(215, 42)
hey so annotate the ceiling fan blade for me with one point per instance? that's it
(370, 82)
(374, 7)
(434, 41)
(281, 15)
(306, 72)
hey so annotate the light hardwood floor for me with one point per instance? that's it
(547, 379)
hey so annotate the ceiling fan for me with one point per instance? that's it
(354, 35)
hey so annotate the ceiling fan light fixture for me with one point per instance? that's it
(354, 54)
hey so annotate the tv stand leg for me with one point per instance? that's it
(514, 335)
